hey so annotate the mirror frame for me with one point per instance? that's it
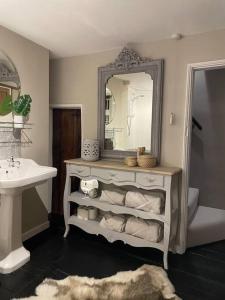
(8, 75)
(128, 61)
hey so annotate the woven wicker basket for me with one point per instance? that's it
(146, 161)
(131, 161)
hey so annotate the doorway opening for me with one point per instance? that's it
(204, 188)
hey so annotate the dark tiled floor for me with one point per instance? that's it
(197, 275)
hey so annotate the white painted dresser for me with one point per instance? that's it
(117, 173)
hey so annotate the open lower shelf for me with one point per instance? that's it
(78, 198)
(93, 227)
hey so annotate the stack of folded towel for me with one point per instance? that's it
(113, 222)
(149, 230)
(145, 229)
(147, 201)
(116, 196)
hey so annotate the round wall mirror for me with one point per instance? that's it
(9, 85)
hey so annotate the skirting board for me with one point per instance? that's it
(32, 232)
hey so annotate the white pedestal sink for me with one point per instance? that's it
(20, 175)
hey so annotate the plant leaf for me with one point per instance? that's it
(22, 105)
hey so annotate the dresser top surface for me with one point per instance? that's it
(119, 165)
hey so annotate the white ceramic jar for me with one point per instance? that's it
(90, 150)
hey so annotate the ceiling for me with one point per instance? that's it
(76, 27)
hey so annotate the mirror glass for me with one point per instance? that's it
(10, 138)
(9, 83)
(128, 112)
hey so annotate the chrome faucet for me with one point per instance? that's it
(13, 163)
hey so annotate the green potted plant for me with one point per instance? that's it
(21, 109)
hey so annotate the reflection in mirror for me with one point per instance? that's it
(9, 83)
(10, 138)
(110, 106)
(9, 78)
(128, 112)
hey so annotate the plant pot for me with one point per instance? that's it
(18, 121)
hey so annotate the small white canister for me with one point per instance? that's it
(90, 150)
(92, 213)
(82, 213)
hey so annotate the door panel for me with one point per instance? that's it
(66, 145)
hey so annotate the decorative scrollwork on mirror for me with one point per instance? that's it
(127, 59)
(130, 105)
(7, 75)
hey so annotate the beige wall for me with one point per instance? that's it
(74, 80)
(32, 63)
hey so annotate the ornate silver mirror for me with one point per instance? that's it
(130, 105)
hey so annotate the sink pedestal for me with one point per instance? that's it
(12, 253)
(16, 177)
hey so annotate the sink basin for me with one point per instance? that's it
(15, 177)
(26, 173)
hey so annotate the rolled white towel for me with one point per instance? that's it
(113, 196)
(113, 222)
(147, 201)
(145, 229)
(82, 212)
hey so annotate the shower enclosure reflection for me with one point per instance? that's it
(128, 111)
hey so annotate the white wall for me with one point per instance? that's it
(32, 63)
(140, 119)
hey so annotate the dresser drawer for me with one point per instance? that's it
(79, 170)
(114, 175)
(147, 180)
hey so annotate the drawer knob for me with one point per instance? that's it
(151, 179)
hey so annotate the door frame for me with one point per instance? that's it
(191, 68)
(59, 106)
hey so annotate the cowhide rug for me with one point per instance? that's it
(146, 283)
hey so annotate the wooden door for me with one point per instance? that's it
(66, 145)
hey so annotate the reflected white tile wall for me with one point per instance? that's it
(10, 143)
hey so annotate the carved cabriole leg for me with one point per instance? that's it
(66, 231)
(167, 223)
(175, 216)
(66, 204)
